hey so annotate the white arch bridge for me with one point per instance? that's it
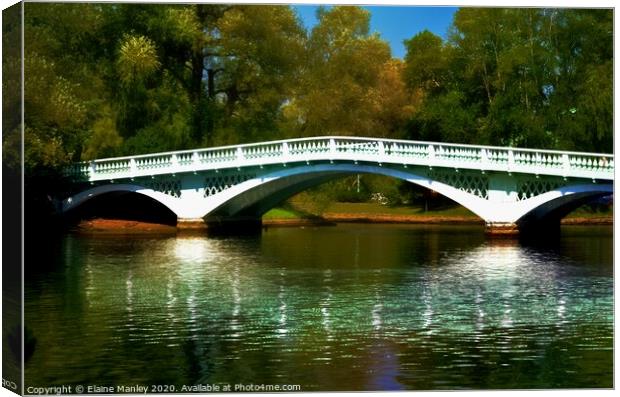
(508, 188)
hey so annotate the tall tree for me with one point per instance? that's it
(426, 62)
(340, 90)
(258, 59)
(63, 84)
(580, 92)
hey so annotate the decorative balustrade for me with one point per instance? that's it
(266, 151)
(454, 156)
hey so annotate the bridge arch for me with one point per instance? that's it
(554, 205)
(75, 201)
(256, 196)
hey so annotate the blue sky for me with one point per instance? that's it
(396, 23)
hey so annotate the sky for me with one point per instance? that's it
(396, 23)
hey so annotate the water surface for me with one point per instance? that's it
(352, 307)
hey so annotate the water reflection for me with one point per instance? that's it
(343, 308)
(325, 304)
(235, 325)
(129, 303)
(196, 250)
(282, 330)
(376, 313)
(427, 315)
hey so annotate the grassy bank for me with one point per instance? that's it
(368, 212)
(587, 213)
(375, 208)
(374, 212)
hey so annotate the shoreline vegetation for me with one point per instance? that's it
(294, 216)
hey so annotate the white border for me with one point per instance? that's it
(480, 3)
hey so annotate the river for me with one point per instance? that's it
(350, 307)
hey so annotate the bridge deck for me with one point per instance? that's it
(594, 166)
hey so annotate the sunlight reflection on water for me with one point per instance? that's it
(345, 308)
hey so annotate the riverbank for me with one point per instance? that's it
(121, 226)
(340, 213)
(377, 213)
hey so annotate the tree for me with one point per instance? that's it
(257, 61)
(426, 62)
(339, 86)
(517, 77)
(62, 87)
(392, 104)
(11, 92)
(579, 110)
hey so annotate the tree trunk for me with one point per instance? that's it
(196, 95)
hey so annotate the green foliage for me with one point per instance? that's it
(157, 137)
(426, 60)
(343, 87)
(104, 141)
(62, 85)
(116, 79)
(261, 49)
(11, 87)
(520, 77)
(137, 58)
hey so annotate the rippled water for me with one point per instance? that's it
(352, 307)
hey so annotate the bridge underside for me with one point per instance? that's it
(125, 205)
(239, 197)
(548, 216)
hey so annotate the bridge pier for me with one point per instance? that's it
(236, 225)
(543, 227)
(191, 224)
(501, 229)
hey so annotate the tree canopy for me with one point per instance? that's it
(519, 77)
(117, 79)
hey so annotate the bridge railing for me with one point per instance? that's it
(372, 150)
